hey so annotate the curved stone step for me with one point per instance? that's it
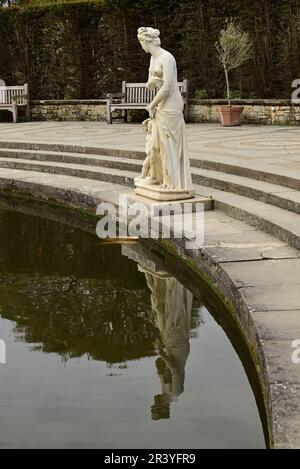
(81, 171)
(79, 164)
(74, 191)
(53, 147)
(73, 158)
(277, 221)
(273, 194)
(255, 170)
(281, 223)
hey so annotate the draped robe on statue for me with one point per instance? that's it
(169, 164)
(171, 161)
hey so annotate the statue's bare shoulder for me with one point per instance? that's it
(168, 57)
(158, 64)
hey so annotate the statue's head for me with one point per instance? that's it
(148, 37)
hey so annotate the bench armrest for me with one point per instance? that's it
(112, 96)
(15, 98)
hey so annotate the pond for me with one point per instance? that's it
(105, 348)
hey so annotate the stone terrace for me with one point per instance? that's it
(252, 238)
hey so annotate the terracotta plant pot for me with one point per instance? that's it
(231, 116)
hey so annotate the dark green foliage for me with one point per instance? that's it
(72, 49)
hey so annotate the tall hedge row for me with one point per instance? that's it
(84, 49)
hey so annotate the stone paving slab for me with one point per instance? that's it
(272, 298)
(278, 325)
(268, 273)
(279, 358)
(253, 252)
(285, 401)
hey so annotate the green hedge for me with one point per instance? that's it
(84, 49)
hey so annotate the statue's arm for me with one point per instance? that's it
(150, 85)
(168, 78)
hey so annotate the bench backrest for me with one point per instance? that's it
(8, 92)
(137, 93)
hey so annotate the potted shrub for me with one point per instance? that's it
(234, 48)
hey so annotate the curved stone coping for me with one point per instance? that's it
(250, 272)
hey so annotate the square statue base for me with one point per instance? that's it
(162, 195)
(155, 205)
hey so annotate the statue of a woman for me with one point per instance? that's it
(167, 163)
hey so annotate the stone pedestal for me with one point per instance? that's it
(189, 203)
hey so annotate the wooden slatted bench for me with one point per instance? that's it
(14, 97)
(137, 96)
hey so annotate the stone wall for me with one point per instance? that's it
(266, 111)
(200, 111)
(63, 110)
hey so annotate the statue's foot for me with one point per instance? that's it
(146, 181)
(151, 181)
(140, 180)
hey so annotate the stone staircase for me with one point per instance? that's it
(268, 200)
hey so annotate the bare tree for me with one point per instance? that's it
(234, 48)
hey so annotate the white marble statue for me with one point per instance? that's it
(167, 167)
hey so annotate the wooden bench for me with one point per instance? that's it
(14, 97)
(137, 96)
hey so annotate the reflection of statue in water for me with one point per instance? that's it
(171, 307)
(171, 313)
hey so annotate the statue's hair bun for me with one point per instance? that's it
(149, 34)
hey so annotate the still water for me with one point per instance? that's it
(106, 349)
